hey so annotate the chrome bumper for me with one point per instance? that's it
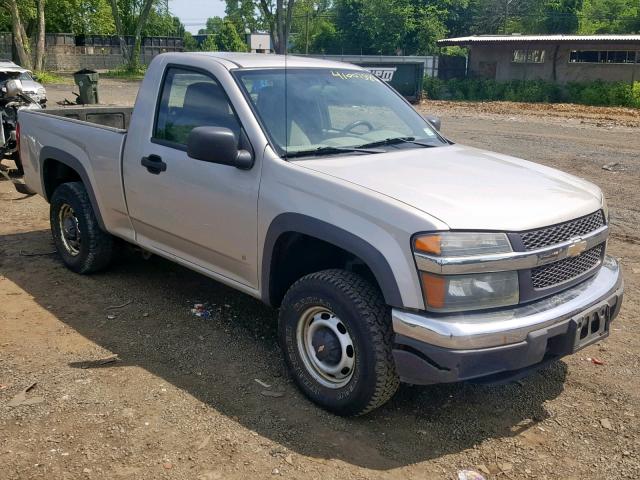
(470, 330)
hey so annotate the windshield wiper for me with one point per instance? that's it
(395, 141)
(328, 151)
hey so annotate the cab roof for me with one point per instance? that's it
(261, 60)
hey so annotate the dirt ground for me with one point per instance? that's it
(182, 401)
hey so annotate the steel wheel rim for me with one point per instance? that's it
(326, 347)
(69, 229)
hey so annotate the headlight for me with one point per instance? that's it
(451, 293)
(455, 293)
(462, 244)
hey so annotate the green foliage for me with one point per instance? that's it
(50, 77)
(228, 38)
(605, 93)
(94, 17)
(389, 26)
(610, 16)
(190, 44)
(209, 44)
(349, 26)
(90, 17)
(589, 93)
(244, 14)
(126, 73)
(222, 36)
(313, 27)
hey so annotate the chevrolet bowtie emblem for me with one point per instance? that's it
(576, 248)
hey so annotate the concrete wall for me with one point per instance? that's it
(6, 46)
(67, 58)
(484, 60)
(62, 55)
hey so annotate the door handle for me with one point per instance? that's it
(154, 164)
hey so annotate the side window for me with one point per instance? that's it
(188, 100)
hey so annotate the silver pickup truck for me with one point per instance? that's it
(392, 253)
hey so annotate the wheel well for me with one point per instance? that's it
(55, 173)
(296, 255)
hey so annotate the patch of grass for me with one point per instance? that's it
(124, 73)
(49, 77)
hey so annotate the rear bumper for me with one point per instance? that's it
(502, 344)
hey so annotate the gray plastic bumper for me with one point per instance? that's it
(448, 348)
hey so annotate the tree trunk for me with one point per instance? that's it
(40, 43)
(20, 38)
(134, 62)
(280, 46)
(124, 48)
(279, 23)
(287, 25)
(268, 15)
(131, 55)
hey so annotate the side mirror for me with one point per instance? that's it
(217, 145)
(433, 120)
(13, 88)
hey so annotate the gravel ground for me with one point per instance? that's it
(181, 400)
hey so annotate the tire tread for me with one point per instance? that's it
(100, 243)
(369, 301)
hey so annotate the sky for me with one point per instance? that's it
(194, 13)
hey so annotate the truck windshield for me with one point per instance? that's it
(320, 111)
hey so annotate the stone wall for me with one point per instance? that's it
(63, 54)
(66, 58)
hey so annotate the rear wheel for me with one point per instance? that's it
(336, 336)
(83, 246)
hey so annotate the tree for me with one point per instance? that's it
(221, 36)
(40, 44)
(610, 16)
(89, 17)
(130, 18)
(244, 15)
(18, 12)
(228, 38)
(209, 44)
(190, 44)
(561, 16)
(20, 38)
(213, 26)
(278, 17)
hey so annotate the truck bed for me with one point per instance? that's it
(85, 139)
(107, 116)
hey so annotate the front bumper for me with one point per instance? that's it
(501, 344)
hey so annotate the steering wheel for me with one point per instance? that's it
(356, 124)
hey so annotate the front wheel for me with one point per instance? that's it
(82, 244)
(336, 336)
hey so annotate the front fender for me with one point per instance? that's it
(313, 227)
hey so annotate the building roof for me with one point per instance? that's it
(517, 38)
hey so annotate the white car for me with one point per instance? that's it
(30, 86)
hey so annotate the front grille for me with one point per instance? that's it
(562, 232)
(567, 269)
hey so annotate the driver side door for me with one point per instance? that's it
(201, 213)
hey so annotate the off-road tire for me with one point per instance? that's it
(97, 246)
(361, 308)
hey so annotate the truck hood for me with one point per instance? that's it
(468, 188)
